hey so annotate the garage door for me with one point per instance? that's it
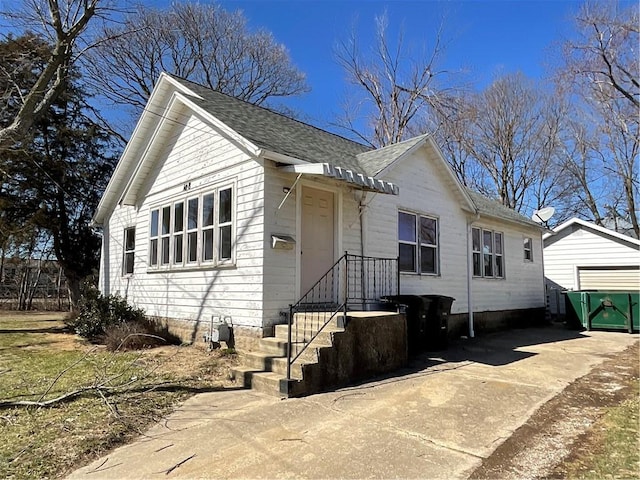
(609, 278)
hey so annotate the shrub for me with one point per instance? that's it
(137, 334)
(98, 312)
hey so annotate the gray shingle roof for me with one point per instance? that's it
(278, 133)
(493, 208)
(374, 161)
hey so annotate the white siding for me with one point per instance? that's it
(577, 247)
(523, 282)
(426, 189)
(281, 279)
(198, 160)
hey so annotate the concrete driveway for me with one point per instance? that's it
(436, 419)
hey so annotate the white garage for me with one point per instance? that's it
(580, 255)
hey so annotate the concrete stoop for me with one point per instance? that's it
(265, 370)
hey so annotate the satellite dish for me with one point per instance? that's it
(543, 215)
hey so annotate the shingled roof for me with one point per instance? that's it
(493, 208)
(278, 133)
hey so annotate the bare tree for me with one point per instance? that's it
(505, 141)
(393, 91)
(601, 66)
(200, 42)
(63, 23)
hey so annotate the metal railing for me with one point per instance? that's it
(354, 282)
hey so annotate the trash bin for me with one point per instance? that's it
(427, 320)
(606, 309)
(438, 321)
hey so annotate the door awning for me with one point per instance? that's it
(364, 182)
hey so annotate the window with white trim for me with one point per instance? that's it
(528, 249)
(418, 243)
(128, 255)
(193, 231)
(488, 253)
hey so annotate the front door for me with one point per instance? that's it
(317, 247)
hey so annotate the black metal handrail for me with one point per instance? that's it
(354, 282)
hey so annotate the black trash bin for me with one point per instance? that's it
(427, 321)
(437, 337)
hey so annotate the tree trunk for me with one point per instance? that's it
(73, 283)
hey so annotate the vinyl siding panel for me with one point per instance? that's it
(196, 160)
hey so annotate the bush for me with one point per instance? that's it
(97, 313)
(137, 334)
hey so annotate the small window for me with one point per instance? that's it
(178, 233)
(528, 251)
(165, 235)
(129, 250)
(499, 265)
(225, 225)
(207, 227)
(153, 238)
(487, 252)
(192, 231)
(476, 234)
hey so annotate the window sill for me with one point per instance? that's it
(193, 268)
(416, 274)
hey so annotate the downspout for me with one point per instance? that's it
(361, 213)
(470, 274)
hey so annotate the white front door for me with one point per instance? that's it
(318, 239)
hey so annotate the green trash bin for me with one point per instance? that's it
(606, 309)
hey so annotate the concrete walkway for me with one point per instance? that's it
(437, 419)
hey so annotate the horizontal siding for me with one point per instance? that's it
(199, 158)
(583, 248)
(426, 189)
(523, 284)
(422, 191)
(280, 265)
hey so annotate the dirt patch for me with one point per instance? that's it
(562, 428)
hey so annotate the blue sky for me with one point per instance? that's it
(484, 38)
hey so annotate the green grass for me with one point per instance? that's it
(616, 448)
(47, 442)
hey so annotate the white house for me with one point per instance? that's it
(580, 255)
(220, 208)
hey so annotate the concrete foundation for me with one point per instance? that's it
(491, 321)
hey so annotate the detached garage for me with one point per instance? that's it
(580, 255)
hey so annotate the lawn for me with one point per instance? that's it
(613, 449)
(118, 394)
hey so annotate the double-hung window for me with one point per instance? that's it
(488, 254)
(193, 231)
(528, 249)
(418, 243)
(129, 250)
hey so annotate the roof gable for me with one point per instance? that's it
(575, 223)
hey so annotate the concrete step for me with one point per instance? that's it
(242, 375)
(282, 331)
(267, 382)
(317, 319)
(258, 360)
(273, 346)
